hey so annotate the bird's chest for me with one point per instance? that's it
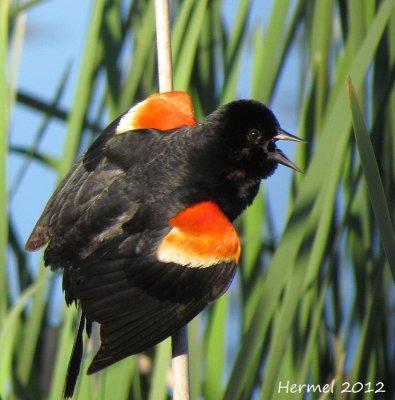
(171, 189)
(233, 197)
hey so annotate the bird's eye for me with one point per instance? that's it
(254, 135)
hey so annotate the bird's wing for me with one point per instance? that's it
(143, 287)
(105, 161)
(77, 193)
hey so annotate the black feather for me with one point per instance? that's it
(73, 369)
(106, 219)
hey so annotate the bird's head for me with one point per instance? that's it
(248, 132)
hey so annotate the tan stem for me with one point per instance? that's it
(179, 364)
(180, 339)
(163, 44)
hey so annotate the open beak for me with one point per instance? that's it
(278, 156)
(284, 135)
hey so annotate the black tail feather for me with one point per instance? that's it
(88, 329)
(73, 369)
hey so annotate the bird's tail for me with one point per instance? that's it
(73, 369)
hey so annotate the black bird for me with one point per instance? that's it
(141, 225)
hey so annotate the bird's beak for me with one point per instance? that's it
(284, 135)
(278, 156)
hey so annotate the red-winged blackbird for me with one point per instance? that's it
(142, 223)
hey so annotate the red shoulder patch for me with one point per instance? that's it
(162, 111)
(202, 236)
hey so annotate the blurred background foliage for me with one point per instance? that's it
(312, 305)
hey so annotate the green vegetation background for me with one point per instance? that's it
(316, 305)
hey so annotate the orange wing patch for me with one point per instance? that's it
(202, 236)
(162, 111)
